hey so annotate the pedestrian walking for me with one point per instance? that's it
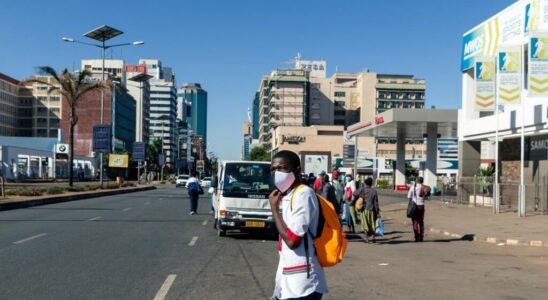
(339, 192)
(418, 193)
(350, 203)
(299, 274)
(329, 193)
(318, 183)
(194, 189)
(370, 211)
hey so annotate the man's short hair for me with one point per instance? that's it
(292, 158)
(369, 181)
(420, 180)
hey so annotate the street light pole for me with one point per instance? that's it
(102, 34)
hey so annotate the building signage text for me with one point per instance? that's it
(293, 139)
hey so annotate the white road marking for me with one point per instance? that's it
(127, 208)
(204, 223)
(30, 238)
(383, 264)
(162, 292)
(96, 218)
(501, 244)
(193, 241)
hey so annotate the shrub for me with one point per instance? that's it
(383, 184)
(54, 190)
(74, 189)
(30, 192)
(11, 192)
(91, 187)
(111, 186)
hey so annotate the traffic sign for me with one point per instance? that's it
(139, 151)
(161, 159)
(102, 138)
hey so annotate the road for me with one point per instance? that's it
(145, 246)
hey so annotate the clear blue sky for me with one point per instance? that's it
(227, 45)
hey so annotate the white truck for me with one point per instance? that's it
(241, 190)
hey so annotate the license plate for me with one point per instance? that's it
(254, 224)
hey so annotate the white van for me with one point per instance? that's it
(241, 196)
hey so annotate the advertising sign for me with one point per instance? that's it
(118, 160)
(102, 138)
(537, 76)
(484, 73)
(315, 164)
(139, 150)
(509, 76)
(507, 27)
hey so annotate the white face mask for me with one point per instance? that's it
(283, 180)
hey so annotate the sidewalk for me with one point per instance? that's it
(22, 202)
(474, 223)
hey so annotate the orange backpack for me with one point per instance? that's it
(330, 241)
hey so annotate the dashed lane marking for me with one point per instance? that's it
(30, 238)
(96, 218)
(193, 241)
(147, 203)
(164, 289)
(204, 223)
(127, 208)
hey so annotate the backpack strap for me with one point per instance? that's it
(307, 256)
(293, 195)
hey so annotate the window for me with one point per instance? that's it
(340, 94)
(340, 103)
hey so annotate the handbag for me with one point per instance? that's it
(412, 206)
(359, 204)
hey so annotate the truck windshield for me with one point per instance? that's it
(251, 178)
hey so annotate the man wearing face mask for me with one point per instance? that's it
(299, 274)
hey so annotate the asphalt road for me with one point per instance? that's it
(145, 246)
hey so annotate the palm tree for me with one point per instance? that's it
(72, 88)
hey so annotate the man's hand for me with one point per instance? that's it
(274, 198)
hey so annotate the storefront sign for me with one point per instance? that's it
(293, 139)
(538, 65)
(118, 160)
(509, 76)
(538, 147)
(484, 74)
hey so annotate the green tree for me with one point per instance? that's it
(72, 87)
(259, 154)
(154, 148)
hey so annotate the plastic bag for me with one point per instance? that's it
(379, 228)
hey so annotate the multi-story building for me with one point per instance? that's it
(284, 100)
(46, 107)
(247, 138)
(138, 86)
(119, 111)
(113, 68)
(255, 116)
(163, 106)
(9, 106)
(192, 108)
(305, 96)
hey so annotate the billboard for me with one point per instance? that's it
(508, 27)
(102, 138)
(484, 74)
(537, 76)
(118, 160)
(509, 76)
(316, 163)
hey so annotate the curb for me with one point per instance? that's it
(489, 240)
(59, 199)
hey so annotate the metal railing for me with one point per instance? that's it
(480, 191)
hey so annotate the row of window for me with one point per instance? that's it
(8, 120)
(400, 95)
(8, 97)
(398, 104)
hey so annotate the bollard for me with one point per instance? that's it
(3, 190)
(474, 185)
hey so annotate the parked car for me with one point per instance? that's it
(181, 180)
(206, 182)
